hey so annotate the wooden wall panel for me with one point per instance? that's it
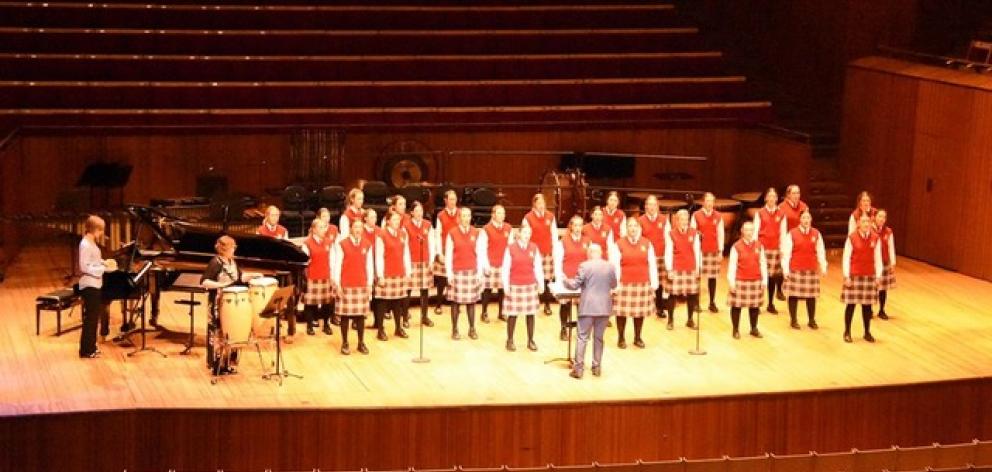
(524, 435)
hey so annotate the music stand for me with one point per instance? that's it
(274, 309)
(562, 294)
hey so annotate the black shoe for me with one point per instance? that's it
(510, 346)
(455, 335)
(639, 343)
(575, 374)
(532, 345)
(362, 348)
(671, 324)
(780, 297)
(437, 310)
(813, 325)
(327, 329)
(563, 335)
(426, 321)
(344, 349)
(737, 335)
(597, 371)
(771, 309)
(382, 335)
(883, 315)
(335, 320)
(713, 308)
(92, 355)
(755, 333)
(484, 317)
(795, 325)
(153, 321)
(869, 338)
(847, 338)
(401, 333)
(690, 324)
(472, 334)
(660, 312)
(310, 330)
(622, 344)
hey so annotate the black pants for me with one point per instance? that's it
(395, 306)
(94, 312)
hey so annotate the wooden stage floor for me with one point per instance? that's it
(941, 329)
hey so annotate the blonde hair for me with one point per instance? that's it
(224, 243)
(93, 223)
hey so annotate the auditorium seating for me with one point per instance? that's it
(378, 63)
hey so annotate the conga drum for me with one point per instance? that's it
(260, 291)
(729, 210)
(235, 315)
(669, 207)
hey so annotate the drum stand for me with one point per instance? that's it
(275, 308)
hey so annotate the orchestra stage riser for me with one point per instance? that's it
(525, 435)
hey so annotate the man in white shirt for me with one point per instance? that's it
(91, 267)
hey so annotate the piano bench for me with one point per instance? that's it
(56, 301)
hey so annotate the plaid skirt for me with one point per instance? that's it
(319, 292)
(863, 291)
(547, 263)
(634, 300)
(421, 276)
(354, 302)
(802, 284)
(747, 294)
(494, 280)
(773, 257)
(888, 280)
(521, 300)
(663, 282)
(464, 288)
(711, 265)
(684, 283)
(392, 288)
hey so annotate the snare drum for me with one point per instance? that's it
(260, 291)
(729, 210)
(235, 315)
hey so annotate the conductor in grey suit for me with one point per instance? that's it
(596, 278)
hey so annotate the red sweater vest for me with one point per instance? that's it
(748, 260)
(574, 254)
(634, 261)
(279, 232)
(597, 236)
(522, 264)
(446, 222)
(707, 227)
(884, 234)
(497, 238)
(683, 253)
(792, 213)
(654, 231)
(319, 267)
(353, 260)
(863, 254)
(803, 255)
(463, 249)
(352, 215)
(331, 234)
(392, 253)
(541, 230)
(419, 239)
(370, 234)
(614, 221)
(770, 230)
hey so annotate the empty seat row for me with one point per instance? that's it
(341, 42)
(367, 94)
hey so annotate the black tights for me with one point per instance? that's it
(359, 324)
(774, 283)
(711, 285)
(396, 306)
(441, 283)
(691, 303)
(865, 318)
(470, 312)
(487, 296)
(752, 313)
(810, 308)
(511, 325)
(882, 296)
(313, 313)
(622, 326)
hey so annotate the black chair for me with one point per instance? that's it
(376, 192)
(415, 193)
(295, 209)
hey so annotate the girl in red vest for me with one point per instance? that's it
(862, 264)
(544, 230)
(862, 208)
(319, 294)
(888, 279)
(598, 231)
(324, 215)
(770, 226)
(804, 262)
(447, 218)
(494, 237)
(421, 242)
(570, 251)
(709, 223)
(792, 207)
(747, 275)
(613, 216)
(654, 226)
(463, 262)
(683, 259)
(352, 275)
(270, 226)
(353, 211)
(522, 276)
(397, 203)
(637, 270)
(392, 269)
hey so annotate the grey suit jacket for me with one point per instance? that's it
(596, 278)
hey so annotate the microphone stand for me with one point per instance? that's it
(699, 319)
(421, 359)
